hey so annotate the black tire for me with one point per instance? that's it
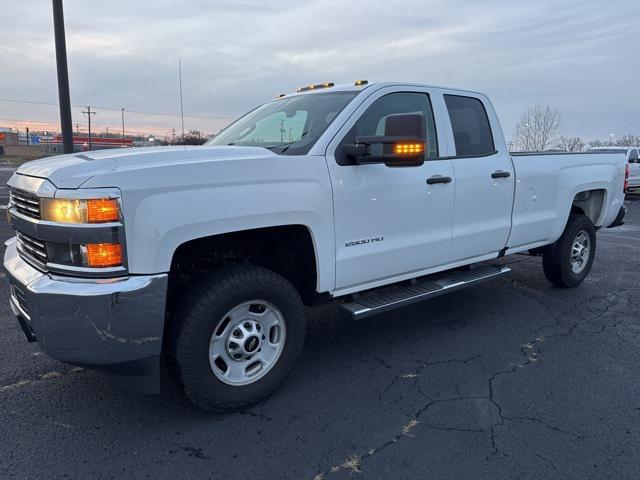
(200, 312)
(557, 265)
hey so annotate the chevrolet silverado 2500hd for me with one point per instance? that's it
(374, 195)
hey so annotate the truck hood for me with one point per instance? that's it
(72, 170)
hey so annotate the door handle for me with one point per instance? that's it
(438, 179)
(500, 174)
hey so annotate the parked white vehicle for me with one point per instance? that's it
(633, 157)
(373, 195)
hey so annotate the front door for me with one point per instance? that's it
(390, 223)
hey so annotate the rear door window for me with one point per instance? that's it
(471, 127)
(633, 156)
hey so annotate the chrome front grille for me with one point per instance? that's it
(19, 298)
(32, 250)
(25, 203)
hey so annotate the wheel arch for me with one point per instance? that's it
(289, 250)
(591, 204)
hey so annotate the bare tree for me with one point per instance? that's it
(570, 144)
(192, 137)
(628, 141)
(538, 129)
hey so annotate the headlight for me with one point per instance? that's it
(96, 210)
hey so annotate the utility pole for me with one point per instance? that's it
(181, 105)
(122, 110)
(88, 113)
(63, 77)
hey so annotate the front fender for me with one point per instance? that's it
(167, 208)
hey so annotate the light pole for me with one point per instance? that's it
(181, 104)
(122, 109)
(63, 77)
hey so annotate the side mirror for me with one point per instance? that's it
(402, 145)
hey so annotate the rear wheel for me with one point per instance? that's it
(238, 335)
(570, 262)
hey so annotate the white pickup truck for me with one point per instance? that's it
(632, 154)
(373, 195)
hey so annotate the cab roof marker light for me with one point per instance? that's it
(359, 83)
(315, 85)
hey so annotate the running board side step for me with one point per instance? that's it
(388, 298)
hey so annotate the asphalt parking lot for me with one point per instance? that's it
(511, 379)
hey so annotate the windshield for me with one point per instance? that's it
(288, 126)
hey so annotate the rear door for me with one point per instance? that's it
(484, 179)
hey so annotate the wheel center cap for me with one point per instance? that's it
(251, 344)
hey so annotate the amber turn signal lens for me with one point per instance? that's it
(104, 255)
(102, 210)
(406, 148)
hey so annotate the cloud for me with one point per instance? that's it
(580, 56)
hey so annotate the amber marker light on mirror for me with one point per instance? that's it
(102, 210)
(408, 148)
(100, 255)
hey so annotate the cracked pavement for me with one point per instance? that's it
(509, 379)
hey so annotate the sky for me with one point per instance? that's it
(581, 56)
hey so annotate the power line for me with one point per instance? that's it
(27, 101)
(242, 60)
(47, 125)
(117, 109)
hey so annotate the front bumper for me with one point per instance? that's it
(113, 325)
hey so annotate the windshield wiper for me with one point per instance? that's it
(287, 145)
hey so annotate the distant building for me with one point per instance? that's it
(8, 137)
(81, 143)
(14, 144)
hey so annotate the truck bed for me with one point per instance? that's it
(547, 184)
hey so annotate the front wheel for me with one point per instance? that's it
(238, 335)
(573, 253)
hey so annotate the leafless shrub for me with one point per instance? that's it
(570, 144)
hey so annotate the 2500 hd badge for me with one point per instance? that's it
(364, 241)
